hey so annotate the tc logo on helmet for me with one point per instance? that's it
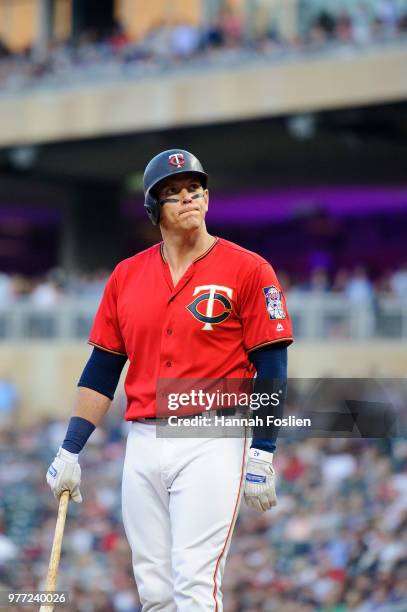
(176, 159)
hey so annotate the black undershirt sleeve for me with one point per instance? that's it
(102, 372)
(271, 366)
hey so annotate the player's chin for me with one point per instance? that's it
(191, 221)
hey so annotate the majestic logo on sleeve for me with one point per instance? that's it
(274, 302)
(176, 159)
(211, 307)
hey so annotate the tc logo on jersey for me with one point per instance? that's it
(176, 159)
(274, 302)
(215, 307)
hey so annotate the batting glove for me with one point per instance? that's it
(64, 474)
(259, 488)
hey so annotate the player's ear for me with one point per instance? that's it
(206, 198)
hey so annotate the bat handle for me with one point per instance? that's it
(53, 567)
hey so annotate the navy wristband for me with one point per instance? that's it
(264, 444)
(77, 434)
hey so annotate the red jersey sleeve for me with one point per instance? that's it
(263, 310)
(106, 332)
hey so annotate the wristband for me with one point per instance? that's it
(77, 434)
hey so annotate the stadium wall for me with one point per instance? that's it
(47, 373)
(258, 89)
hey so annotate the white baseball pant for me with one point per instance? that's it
(180, 499)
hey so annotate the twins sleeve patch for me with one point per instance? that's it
(255, 478)
(274, 302)
(52, 471)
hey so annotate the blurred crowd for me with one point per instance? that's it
(336, 541)
(56, 286)
(229, 37)
(52, 288)
(355, 284)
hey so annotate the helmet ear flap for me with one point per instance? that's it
(153, 208)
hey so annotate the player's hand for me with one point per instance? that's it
(259, 487)
(64, 474)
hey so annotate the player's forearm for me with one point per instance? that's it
(97, 386)
(271, 366)
(89, 409)
(91, 405)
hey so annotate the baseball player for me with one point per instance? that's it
(192, 307)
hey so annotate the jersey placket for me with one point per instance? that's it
(170, 340)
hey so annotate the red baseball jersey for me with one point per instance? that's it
(228, 303)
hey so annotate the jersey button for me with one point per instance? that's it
(168, 364)
(169, 332)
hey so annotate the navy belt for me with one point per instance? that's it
(223, 411)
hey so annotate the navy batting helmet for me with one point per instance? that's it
(164, 165)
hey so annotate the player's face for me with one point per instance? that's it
(184, 203)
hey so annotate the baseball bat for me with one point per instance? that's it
(53, 567)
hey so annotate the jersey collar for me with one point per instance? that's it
(215, 242)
